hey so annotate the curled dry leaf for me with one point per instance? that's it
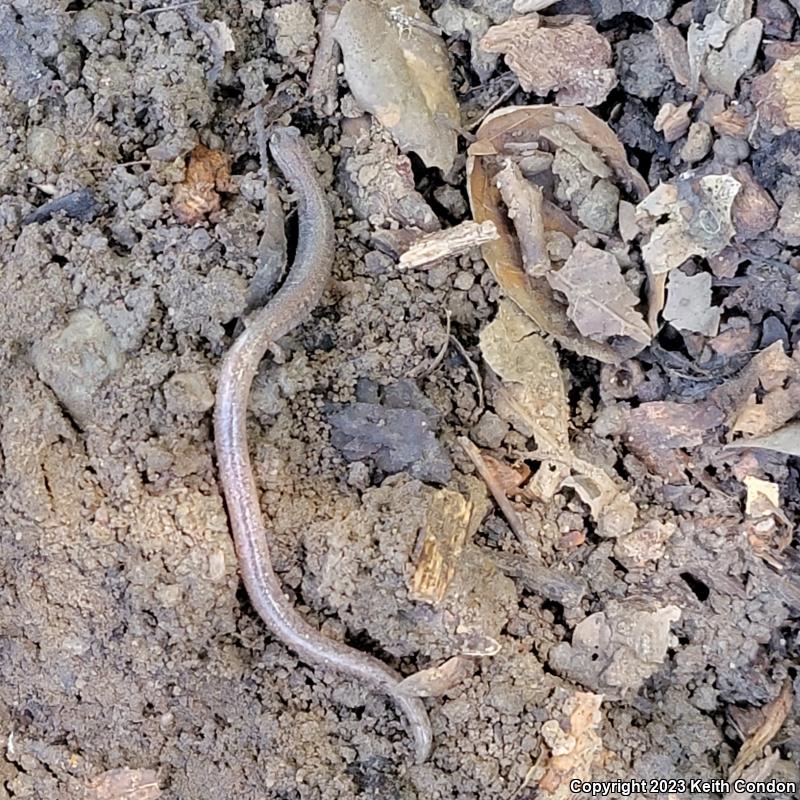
(764, 395)
(504, 133)
(777, 96)
(601, 304)
(207, 174)
(435, 681)
(572, 60)
(398, 69)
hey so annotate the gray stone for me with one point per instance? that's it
(77, 361)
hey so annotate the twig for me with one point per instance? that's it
(473, 368)
(509, 512)
(421, 370)
(503, 97)
(174, 7)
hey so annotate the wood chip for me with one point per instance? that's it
(449, 521)
(124, 784)
(673, 121)
(774, 715)
(525, 204)
(435, 247)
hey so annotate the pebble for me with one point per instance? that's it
(490, 430)
(698, 143)
(77, 361)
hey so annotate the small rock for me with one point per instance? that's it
(673, 50)
(452, 199)
(397, 433)
(464, 280)
(789, 218)
(724, 67)
(698, 143)
(778, 18)
(490, 430)
(294, 29)
(642, 71)
(77, 361)
(188, 393)
(731, 150)
(91, 26)
(45, 147)
(600, 208)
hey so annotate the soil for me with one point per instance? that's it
(127, 640)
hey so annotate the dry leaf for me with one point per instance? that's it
(398, 69)
(763, 497)
(657, 431)
(505, 133)
(786, 440)
(600, 302)
(207, 174)
(688, 305)
(436, 681)
(533, 398)
(574, 747)
(699, 221)
(124, 784)
(774, 715)
(777, 96)
(531, 374)
(616, 650)
(768, 368)
(778, 399)
(572, 60)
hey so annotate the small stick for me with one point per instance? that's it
(419, 370)
(509, 512)
(473, 368)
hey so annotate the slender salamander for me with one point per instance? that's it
(290, 306)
